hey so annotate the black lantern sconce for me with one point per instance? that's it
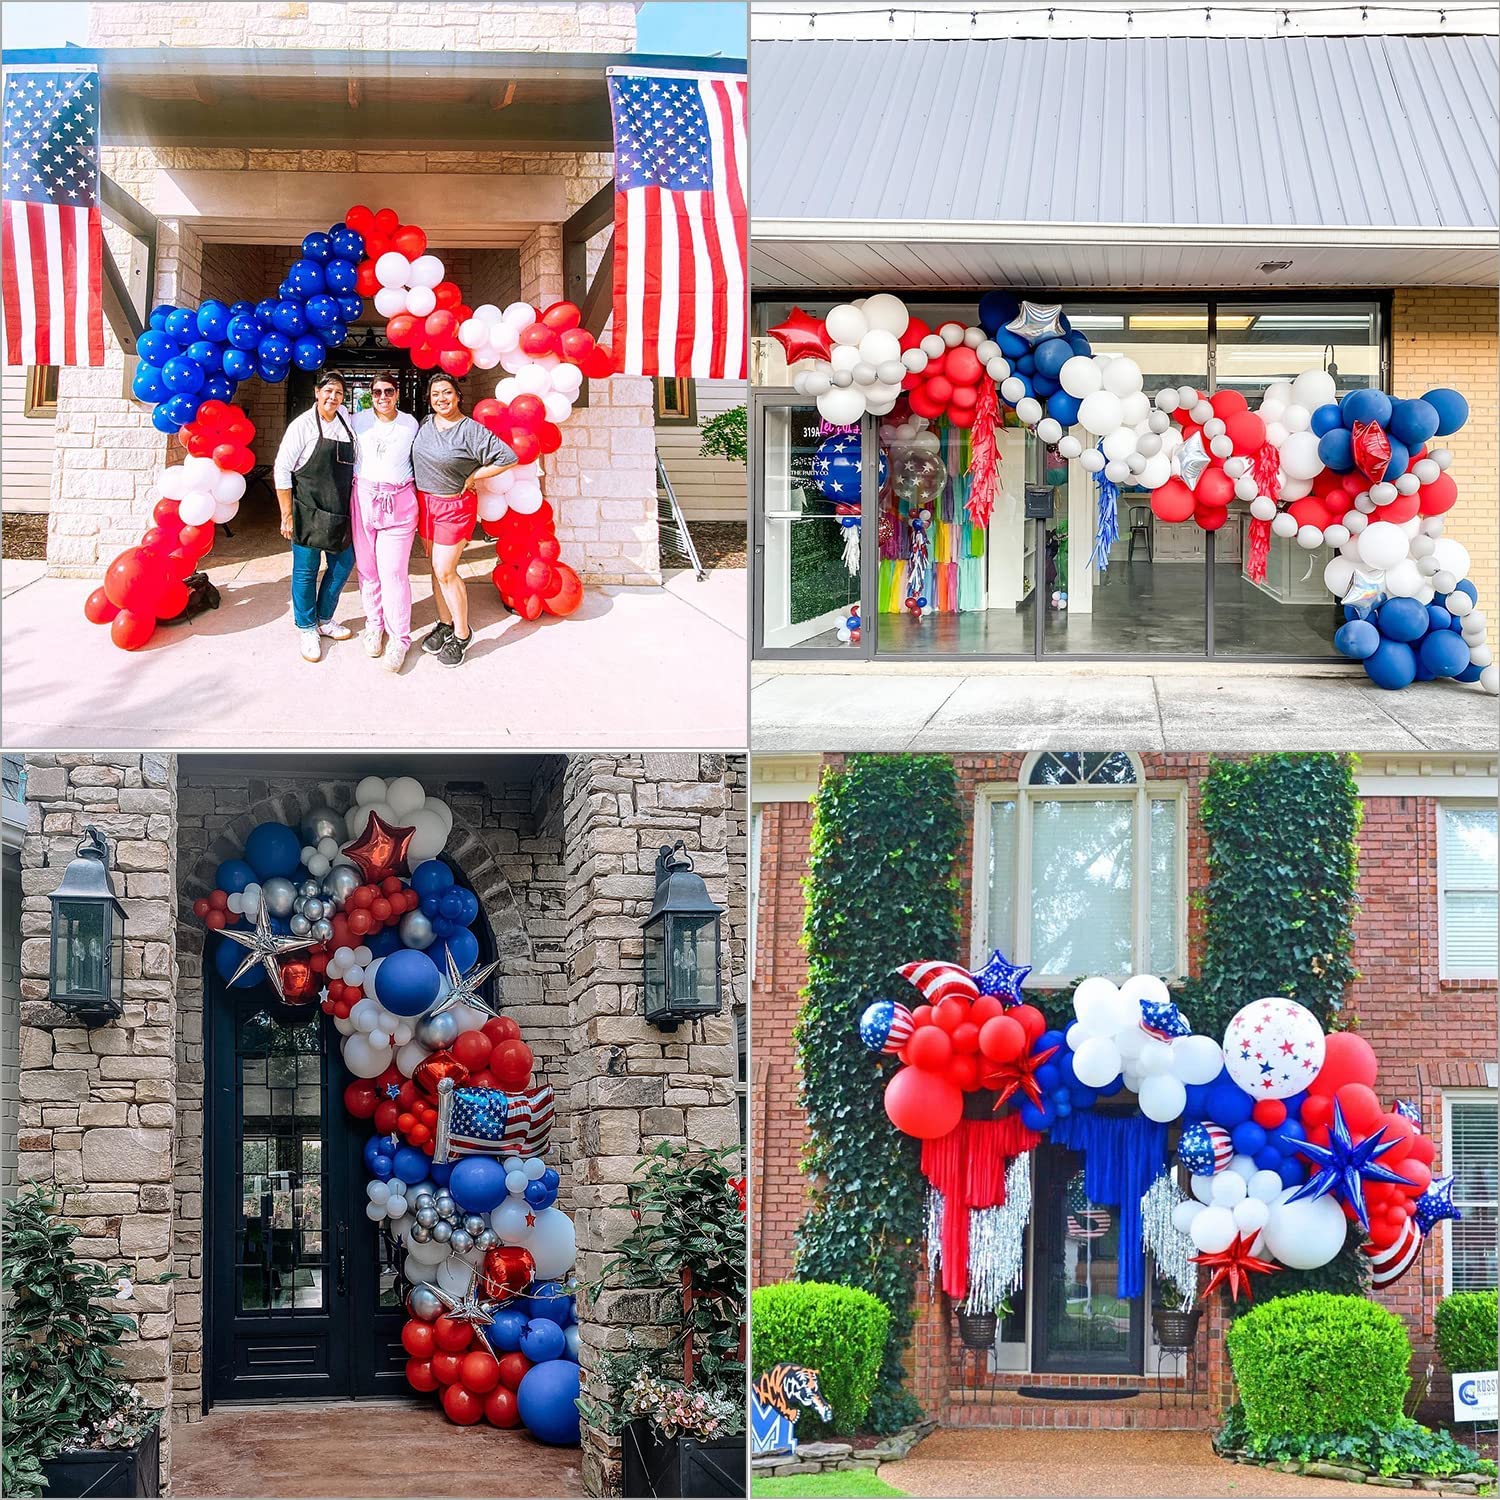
(88, 937)
(682, 944)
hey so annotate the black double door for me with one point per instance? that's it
(300, 1300)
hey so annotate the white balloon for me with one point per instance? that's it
(363, 1060)
(1403, 580)
(842, 407)
(552, 1244)
(393, 269)
(1228, 1189)
(1382, 545)
(1196, 1059)
(1081, 377)
(1299, 455)
(1183, 1215)
(1155, 1057)
(879, 345)
(1201, 1184)
(426, 270)
(1094, 1003)
(1338, 575)
(1305, 1234)
(1096, 1062)
(1284, 524)
(1100, 413)
(886, 311)
(846, 324)
(1122, 376)
(1265, 1185)
(1069, 446)
(1250, 1214)
(1119, 444)
(421, 301)
(1452, 556)
(1309, 537)
(1049, 430)
(1162, 1098)
(1091, 460)
(1213, 1229)
(1029, 410)
(1312, 389)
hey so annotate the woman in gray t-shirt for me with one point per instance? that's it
(450, 454)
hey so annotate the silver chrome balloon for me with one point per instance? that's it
(423, 1200)
(474, 1223)
(427, 1215)
(437, 1031)
(322, 823)
(460, 1241)
(341, 882)
(424, 1303)
(299, 924)
(416, 929)
(421, 1233)
(278, 895)
(312, 909)
(323, 931)
(486, 1239)
(445, 1205)
(442, 1232)
(312, 886)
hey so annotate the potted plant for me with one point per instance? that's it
(72, 1425)
(682, 1435)
(1174, 1317)
(978, 1327)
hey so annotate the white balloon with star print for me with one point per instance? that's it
(1274, 1048)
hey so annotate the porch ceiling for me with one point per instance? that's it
(494, 771)
(327, 99)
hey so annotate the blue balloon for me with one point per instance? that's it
(1043, 386)
(548, 1401)
(233, 875)
(243, 331)
(1248, 1137)
(265, 313)
(305, 276)
(1399, 461)
(181, 407)
(384, 942)
(322, 310)
(308, 352)
(348, 244)
(1414, 421)
(1366, 406)
(203, 352)
(836, 469)
(1452, 409)
(440, 1172)
(239, 364)
(1051, 355)
(274, 349)
(407, 982)
(430, 906)
(1402, 620)
(212, 320)
(1026, 364)
(451, 905)
(156, 348)
(340, 276)
(182, 374)
(317, 246)
(431, 878)
(239, 309)
(146, 384)
(570, 1333)
(271, 374)
(1393, 666)
(1078, 340)
(469, 903)
(163, 420)
(1336, 449)
(159, 315)
(542, 1340)
(334, 334)
(1228, 1104)
(181, 325)
(350, 308)
(1470, 673)
(1032, 1117)
(1356, 638)
(1466, 586)
(227, 958)
(217, 387)
(549, 1299)
(1438, 618)
(1444, 653)
(995, 310)
(504, 1333)
(411, 1164)
(273, 849)
(1326, 418)
(539, 1195)
(464, 947)
(380, 1145)
(289, 317)
(1062, 407)
(478, 1182)
(1012, 345)
(1268, 1158)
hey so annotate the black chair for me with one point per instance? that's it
(1140, 529)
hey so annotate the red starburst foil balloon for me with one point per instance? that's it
(381, 850)
(1018, 1076)
(1232, 1268)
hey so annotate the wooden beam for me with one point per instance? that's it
(598, 213)
(119, 306)
(124, 209)
(598, 301)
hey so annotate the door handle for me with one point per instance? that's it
(341, 1284)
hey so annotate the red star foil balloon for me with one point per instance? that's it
(803, 337)
(1372, 450)
(380, 850)
(1232, 1268)
(1015, 1077)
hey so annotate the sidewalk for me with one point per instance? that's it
(634, 667)
(1103, 707)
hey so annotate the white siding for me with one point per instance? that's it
(708, 489)
(28, 447)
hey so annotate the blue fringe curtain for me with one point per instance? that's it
(1122, 1157)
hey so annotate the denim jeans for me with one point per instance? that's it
(313, 603)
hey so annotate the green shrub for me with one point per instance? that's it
(1319, 1363)
(839, 1331)
(1404, 1448)
(1466, 1326)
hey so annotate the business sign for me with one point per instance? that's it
(1474, 1397)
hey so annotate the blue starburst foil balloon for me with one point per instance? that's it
(1346, 1167)
(1436, 1204)
(1002, 978)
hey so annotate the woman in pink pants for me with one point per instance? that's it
(384, 515)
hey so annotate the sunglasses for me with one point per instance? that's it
(385, 390)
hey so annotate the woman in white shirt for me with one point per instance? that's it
(384, 513)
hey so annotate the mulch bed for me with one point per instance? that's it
(720, 544)
(24, 536)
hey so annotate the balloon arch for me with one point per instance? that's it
(1359, 473)
(192, 361)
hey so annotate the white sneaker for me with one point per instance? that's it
(395, 654)
(374, 639)
(312, 646)
(335, 631)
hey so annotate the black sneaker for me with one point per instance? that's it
(452, 654)
(436, 638)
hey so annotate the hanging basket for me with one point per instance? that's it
(978, 1330)
(1174, 1328)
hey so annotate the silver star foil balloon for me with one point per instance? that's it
(1037, 321)
(1365, 592)
(468, 1308)
(1190, 460)
(265, 947)
(464, 988)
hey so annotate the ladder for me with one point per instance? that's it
(670, 519)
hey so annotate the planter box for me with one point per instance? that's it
(978, 1330)
(76, 1472)
(680, 1467)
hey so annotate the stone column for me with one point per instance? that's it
(98, 1104)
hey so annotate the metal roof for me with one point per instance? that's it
(1304, 131)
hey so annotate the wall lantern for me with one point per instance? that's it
(88, 937)
(682, 944)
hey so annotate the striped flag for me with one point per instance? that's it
(681, 259)
(939, 981)
(51, 283)
(492, 1122)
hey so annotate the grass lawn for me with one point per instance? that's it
(852, 1482)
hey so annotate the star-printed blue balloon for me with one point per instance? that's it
(1204, 1149)
(836, 468)
(1436, 1204)
(1346, 1166)
(1003, 978)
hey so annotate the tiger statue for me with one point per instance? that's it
(779, 1397)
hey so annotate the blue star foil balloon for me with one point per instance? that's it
(1346, 1167)
(1204, 1149)
(1002, 978)
(1409, 1111)
(1037, 321)
(1436, 1204)
(1162, 1019)
(885, 1026)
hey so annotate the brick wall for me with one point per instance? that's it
(1446, 336)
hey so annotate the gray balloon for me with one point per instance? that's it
(460, 1241)
(424, 1303)
(437, 1031)
(341, 882)
(322, 823)
(279, 895)
(416, 929)
(445, 1205)
(323, 931)
(486, 1239)
(312, 909)
(427, 1215)
(474, 1223)
(300, 926)
(422, 1200)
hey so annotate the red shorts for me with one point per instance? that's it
(447, 520)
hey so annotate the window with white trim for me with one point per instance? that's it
(1084, 869)
(1467, 906)
(1470, 1145)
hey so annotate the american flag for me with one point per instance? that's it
(51, 285)
(681, 224)
(491, 1122)
(1086, 1221)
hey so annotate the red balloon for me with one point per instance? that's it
(1210, 517)
(1360, 1105)
(527, 411)
(361, 1099)
(173, 598)
(512, 1367)
(562, 316)
(165, 514)
(501, 1029)
(409, 240)
(1033, 1022)
(1423, 1150)
(1226, 403)
(538, 340)
(1419, 1174)
(985, 1008)
(929, 1047)
(599, 364)
(923, 1104)
(962, 366)
(130, 630)
(424, 356)
(950, 1014)
(1437, 497)
(439, 325)
(1268, 1113)
(216, 920)
(539, 577)
(456, 362)
(1347, 1058)
(360, 218)
(1317, 1111)
(240, 429)
(500, 1408)
(1002, 1039)
(417, 1339)
(1245, 429)
(938, 388)
(197, 539)
(549, 435)
(451, 1337)
(462, 1406)
(472, 1049)
(1215, 490)
(366, 283)
(966, 1038)
(480, 1372)
(402, 330)
(449, 296)
(387, 1112)
(134, 579)
(576, 344)
(963, 1071)
(239, 460)
(419, 1375)
(511, 1062)
(1173, 501)
(1311, 511)
(99, 608)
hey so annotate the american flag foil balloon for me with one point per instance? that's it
(1409, 1111)
(492, 1122)
(1162, 1019)
(885, 1026)
(1394, 1261)
(1205, 1149)
(938, 980)
(1436, 1204)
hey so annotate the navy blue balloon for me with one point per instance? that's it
(411, 1165)
(340, 276)
(1393, 666)
(1326, 418)
(1248, 1137)
(440, 1172)
(550, 1299)
(1078, 342)
(431, 878)
(182, 406)
(1444, 653)
(1438, 618)
(163, 420)
(334, 334)
(451, 905)
(430, 905)
(1466, 586)
(548, 1401)
(1471, 673)
(273, 849)
(1402, 620)
(380, 1145)
(156, 348)
(317, 246)
(146, 384)
(1026, 364)
(1414, 421)
(1051, 355)
(305, 276)
(265, 313)
(182, 374)
(387, 940)
(308, 352)
(1268, 1158)
(1366, 406)
(504, 1333)
(1043, 386)
(1062, 407)
(212, 320)
(1399, 461)
(227, 958)
(995, 310)
(1451, 407)
(182, 325)
(347, 243)
(274, 348)
(836, 469)
(464, 947)
(240, 309)
(1012, 345)
(539, 1195)
(289, 317)
(239, 364)
(1336, 449)
(1357, 639)
(271, 374)
(233, 875)
(468, 903)
(203, 352)
(322, 310)
(407, 982)
(542, 1340)
(551, 1177)
(1032, 1117)
(243, 331)
(159, 315)
(1293, 1171)
(478, 1182)
(1228, 1104)
(350, 308)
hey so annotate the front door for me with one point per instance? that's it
(1079, 1325)
(301, 1301)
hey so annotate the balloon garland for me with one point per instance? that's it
(192, 360)
(1279, 1127)
(329, 915)
(1354, 473)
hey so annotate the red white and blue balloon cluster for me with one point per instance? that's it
(357, 912)
(1284, 1138)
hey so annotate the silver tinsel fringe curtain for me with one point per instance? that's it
(997, 1239)
(1170, 1249)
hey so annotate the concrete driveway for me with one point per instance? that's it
(942, 706)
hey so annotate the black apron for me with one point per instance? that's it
(320, 493)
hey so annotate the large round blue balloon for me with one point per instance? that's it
(1444, 653)
(305, 276)
(549, 1299)
(478, 1182)
(836, 469)
(1402, 620)
(504, 1333)
(233, 875)
(541, 1340)
(548, 1401)
(1366, 406)
(1414, 421)
(1012, 345)
(1356, 638)
(181, 374)
(181, 324)
(1051, 355)
(227, 956)
(431, 877)
(348, 244)
(273, 849)
(212, 320)
(1326, 418)
(995, 310)
(340, 276)
(1336, 449)
(317, 246)
(1393, 666)
(407, 983)
(322, 310)
(1451, 407)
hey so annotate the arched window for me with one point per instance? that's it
(1080, 869)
